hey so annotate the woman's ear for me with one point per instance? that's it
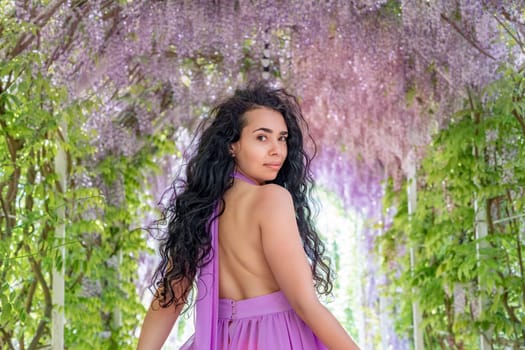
(234, 147)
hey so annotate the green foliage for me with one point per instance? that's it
(102, 240)
(466, 284)
(391, 8)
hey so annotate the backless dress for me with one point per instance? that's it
(266, 322)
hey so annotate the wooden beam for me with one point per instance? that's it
(57, 317)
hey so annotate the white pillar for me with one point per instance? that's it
(117, 312)
(57, 317)
(481, 232)
(412, 201)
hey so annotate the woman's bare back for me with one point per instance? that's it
(243, 269)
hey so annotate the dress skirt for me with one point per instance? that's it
(264, 322)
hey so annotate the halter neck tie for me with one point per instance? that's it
(238, 175)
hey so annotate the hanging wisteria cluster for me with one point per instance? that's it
(375, 78)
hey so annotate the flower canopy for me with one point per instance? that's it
(375, 79)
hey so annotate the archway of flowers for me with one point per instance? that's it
(376, 80)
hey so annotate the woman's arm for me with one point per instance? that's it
(158, 323)
(285, 254)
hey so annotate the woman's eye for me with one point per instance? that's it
(261, 137)
(283, 138)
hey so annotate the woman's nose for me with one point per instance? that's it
(277, 147)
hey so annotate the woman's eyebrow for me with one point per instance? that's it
(269, 131)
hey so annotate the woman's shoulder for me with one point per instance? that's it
(271, 197)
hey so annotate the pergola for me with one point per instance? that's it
(376, 81)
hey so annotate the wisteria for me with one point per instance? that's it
(363, 72)
(375, 78)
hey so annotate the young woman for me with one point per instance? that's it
(241, 228)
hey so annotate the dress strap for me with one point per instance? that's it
(208, 294)
(238, 175)
(207, 304)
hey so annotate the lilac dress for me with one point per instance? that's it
(266, 322)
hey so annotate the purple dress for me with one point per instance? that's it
(266, 322)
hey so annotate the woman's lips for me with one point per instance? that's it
(274, 166)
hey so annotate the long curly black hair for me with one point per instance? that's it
(186, 243)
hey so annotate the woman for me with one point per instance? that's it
(241, 227)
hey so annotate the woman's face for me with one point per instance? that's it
(262, 148)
